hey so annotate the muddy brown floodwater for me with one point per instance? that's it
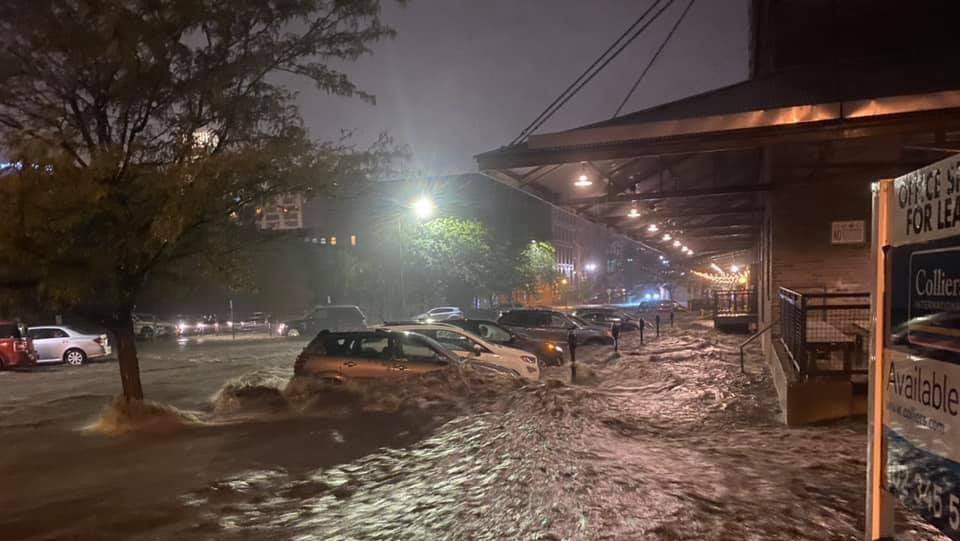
(665, 441)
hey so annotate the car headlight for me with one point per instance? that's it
(528, 359)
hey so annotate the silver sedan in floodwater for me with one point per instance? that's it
(72, 345)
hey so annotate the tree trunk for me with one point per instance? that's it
(122, 328)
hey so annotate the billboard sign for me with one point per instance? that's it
(915, 382)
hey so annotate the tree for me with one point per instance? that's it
(450, 256)
(147, 133)
(537, 265)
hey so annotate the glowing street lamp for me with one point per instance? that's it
(423, 207)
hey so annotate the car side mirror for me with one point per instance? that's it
(477, 350)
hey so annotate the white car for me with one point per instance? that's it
(440, 313)
(468, 345)
(68, 344)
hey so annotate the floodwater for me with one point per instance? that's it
(667, 441)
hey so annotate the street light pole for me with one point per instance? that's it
(403, 292)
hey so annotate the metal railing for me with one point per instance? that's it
(734, 302)
(826, 334)
(753, 337)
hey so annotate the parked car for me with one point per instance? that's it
(548, 351)
(608, 317)
(255, 322)
(375, 354)
(441, 313)
(555, 326)
(69, 344)
(16, 346)
(330, 318)
(470, 346)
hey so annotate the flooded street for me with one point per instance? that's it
(665, 441)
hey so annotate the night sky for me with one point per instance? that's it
(466, 76)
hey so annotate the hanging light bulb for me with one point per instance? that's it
(653, 228)
(734, 268)
(634, 213)
(689, 252)
(676, 244)
(666, 237)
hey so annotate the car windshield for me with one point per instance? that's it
(10, 330)
(580, 321)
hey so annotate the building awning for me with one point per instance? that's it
(696, 167)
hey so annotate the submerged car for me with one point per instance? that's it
(470, 346)
(69, 344)
(16, 346)
(324, 318)
(548, 351)
(555, 326)
(376, 354)
(607, 317)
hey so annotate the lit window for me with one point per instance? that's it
(333, 241)
(353, 240)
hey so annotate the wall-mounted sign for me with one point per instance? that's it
(849, 232)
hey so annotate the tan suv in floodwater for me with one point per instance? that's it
(342, 356)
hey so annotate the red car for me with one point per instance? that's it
(16, 347)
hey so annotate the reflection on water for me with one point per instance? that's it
(669, 441)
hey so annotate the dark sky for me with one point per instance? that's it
(465, 76)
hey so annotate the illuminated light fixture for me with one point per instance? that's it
(653, 228)
(423, 207)
(684, 249)
(689, 252)
(734, 268)
(676, 244)
(583, 181)
(666, 237)
(590, 267)
(666, 261)
(661, 258)
(716, 267)
(634, 213)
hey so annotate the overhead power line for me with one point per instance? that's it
(653, 58)
(594, 68)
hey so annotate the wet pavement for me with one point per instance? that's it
(667, 440)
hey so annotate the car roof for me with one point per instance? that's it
(433, 327)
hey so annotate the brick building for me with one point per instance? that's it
(776, 169)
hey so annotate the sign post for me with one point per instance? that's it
(914, 408)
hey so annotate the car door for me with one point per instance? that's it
(369, 357)
(49, 343)
(414, 355)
